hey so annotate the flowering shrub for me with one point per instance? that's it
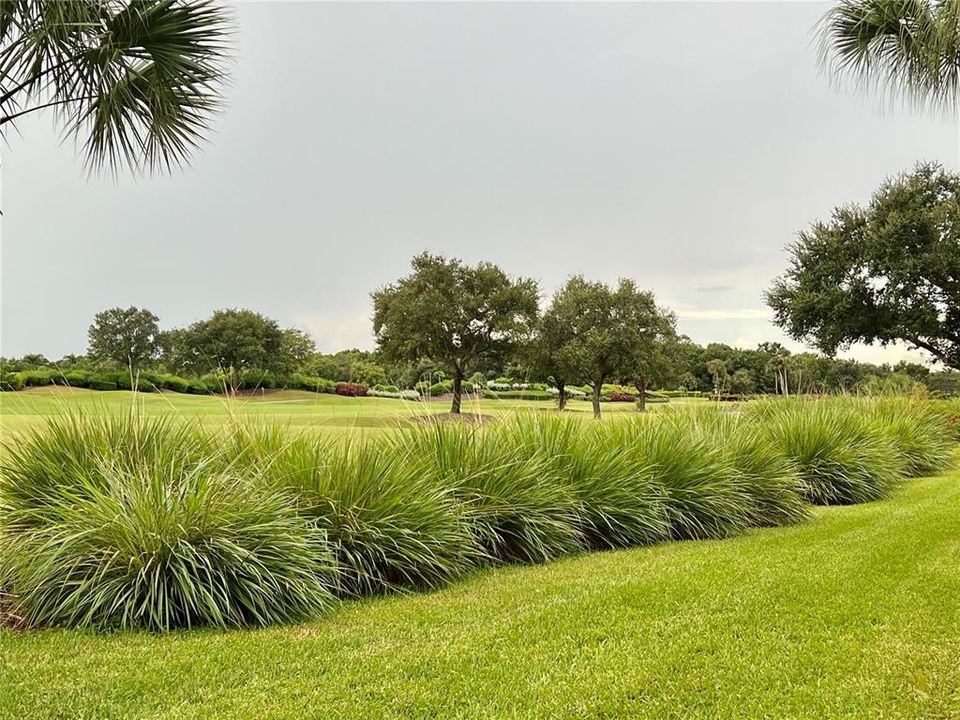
(351, 389)
(621, 397)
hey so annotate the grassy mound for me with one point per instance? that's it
(515, 507)
(139, 534)
(618, 502)
(839, 453)
(389, 527)
(920, 430)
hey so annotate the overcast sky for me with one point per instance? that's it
(682, 145)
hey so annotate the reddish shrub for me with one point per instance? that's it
(351, 389)
(622, 397)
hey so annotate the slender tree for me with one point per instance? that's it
(454, 314)
(134, 82)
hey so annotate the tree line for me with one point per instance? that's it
(448, 319)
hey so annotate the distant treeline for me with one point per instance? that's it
(769, 369)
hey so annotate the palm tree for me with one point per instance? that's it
(908, 48)
(135, 82)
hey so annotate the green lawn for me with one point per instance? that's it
(330, 413)
(851, 615)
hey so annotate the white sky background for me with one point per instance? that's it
(682, 145)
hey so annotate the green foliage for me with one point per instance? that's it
(592, 332)
(880, 273)
(704, 498)
(920, 429)
(232, 341)
(453, 314)
(904, 48)
(619, 503)
(109, 521)
(134, 82)
(125, 336)
(514, 507)
(117, 523)
(840, 455)
(389, 527)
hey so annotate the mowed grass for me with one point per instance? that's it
(850, 615)
(295, 408)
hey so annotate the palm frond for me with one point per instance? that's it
(906, 49)
(135, 83)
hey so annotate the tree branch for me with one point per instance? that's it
(933, 350)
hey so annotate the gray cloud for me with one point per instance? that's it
(610, 139)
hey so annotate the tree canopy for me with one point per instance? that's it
(454, 314)
(592, 333)
(884, 272)
(126, 336)
(231, 341)
(134, 82)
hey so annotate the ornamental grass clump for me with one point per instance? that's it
(514, 504)
(920, 429)
(840, 454)
(618, 502)
(760, 470)
(389, 526)
(703, 496)
(155, 540)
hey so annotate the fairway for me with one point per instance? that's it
(325, 412)
(851, 615)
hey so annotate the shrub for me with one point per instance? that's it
(351, 389)
(621, 397)
(149, 539)
(11, 381)
(920, 430)
(313, 384)
(761, 470)
(398, 395)
(37, 378)
(97, 383)
(518, 395)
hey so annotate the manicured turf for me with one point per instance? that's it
(331, 413)
(851, 615)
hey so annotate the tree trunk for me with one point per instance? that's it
(641, 394)
(457, 391)
(596, 398)
(562, 396)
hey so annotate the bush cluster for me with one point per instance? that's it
(146, 523)
(350, 389)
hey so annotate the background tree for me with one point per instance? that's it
(908, 48)
(718, 372)
(454, 314)
(603, 327)
(125, 336)
(134, 82)
(296, 348)
(889, 271)
(742, 381)
(232, 341)
(651, 336)
(547, 360)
